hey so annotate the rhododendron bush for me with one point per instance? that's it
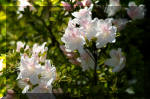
(73, 48)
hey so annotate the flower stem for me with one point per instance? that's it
(95, 67)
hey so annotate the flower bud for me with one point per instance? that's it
(87, 2)
(66, 5)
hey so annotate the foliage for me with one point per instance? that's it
(47, 24)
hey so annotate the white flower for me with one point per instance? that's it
(135, 12)
(117, 60)
(29, 68)
(83, 13)
(130, 91)
(84, 19)
(25, 90)
(87, 60)
(27, 47)
(89, 28)
(1, 64)
(23, 4)
(48, 73)
(33, 73)
(42, 88)
(73, 38)
(39, 48)
(69, 54)
(113, 7)
(19, 46)
(106, 33)
(23, 82)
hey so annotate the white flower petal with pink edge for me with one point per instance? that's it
(89, 28)
(73, 38)
(106, 33)
(19, 46)
(83, 13)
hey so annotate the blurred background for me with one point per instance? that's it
(46, 22)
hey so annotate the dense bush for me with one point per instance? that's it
(47, 23)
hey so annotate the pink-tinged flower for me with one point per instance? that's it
(120, 23)
(69, 54)
(87, 25)
(87, 2)
(66, 5)
(75, 61)
(89, 28)
(135, 12)
(73, 38)
(87, 60)
(32, 72)
(117, 60)
(39, 49)
(106, 33)
(19, 46)
(48, 73)
(29, 68)
(83, 13)
(113, 7)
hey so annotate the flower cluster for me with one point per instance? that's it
(74, 37)
(33, 74)
(83, 28)
(134, 11)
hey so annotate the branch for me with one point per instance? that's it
(95, 67)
